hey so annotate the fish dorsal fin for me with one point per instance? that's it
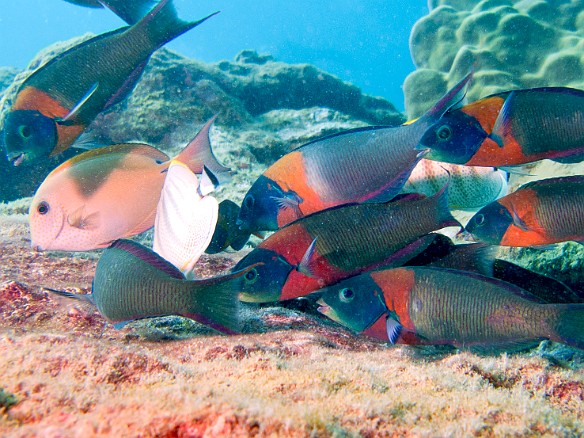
(147, 256)
(449, 101)
(199, 152)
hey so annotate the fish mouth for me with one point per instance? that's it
(323, 307)
(16, 159)
(466, 236)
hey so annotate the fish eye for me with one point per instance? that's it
(444, 133)
(251, 276)
(249, 201)
(346, 295)
(24, 131)
(43, 207)
(480, 219)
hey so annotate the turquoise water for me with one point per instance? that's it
(364, 42)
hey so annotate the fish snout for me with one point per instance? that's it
(466, 236)
(323, 307)
(16, 158)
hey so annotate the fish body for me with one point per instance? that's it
(538, 213)
(468, 187)
(59, 100)
(227, 233)
(186, 216)
(107, 193)
(327, 246)
(362, 165)
(443, 306)
(131, 11)
(511, 128)
(132, 282)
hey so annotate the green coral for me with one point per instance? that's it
(7, 400)
(510, 44)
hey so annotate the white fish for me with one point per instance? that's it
(186, 217)
(469, 187)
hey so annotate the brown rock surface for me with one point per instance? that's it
(291, 374)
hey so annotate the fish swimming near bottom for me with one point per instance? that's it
(538, 213)
(443, 306)
(132, 282)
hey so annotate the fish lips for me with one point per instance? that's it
(16, 158)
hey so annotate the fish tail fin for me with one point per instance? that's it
(453, 98)
(199, 153)
(227, 233)
(215, 301)
(62, 293)
(444, 216)
(569, 326)
(162, 24)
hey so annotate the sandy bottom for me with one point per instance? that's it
(292, 374)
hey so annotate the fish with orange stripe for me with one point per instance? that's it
(57, 102)
(327, 246)
(511, 128)
(538, 213)
(364, 165)
(421, 305)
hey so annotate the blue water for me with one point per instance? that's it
(361, 41)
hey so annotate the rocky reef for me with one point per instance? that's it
(511, 44)
(66, 373)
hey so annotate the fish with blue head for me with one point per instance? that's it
(329, 245)
(510, 128)
(364, 165)
(57, 102)
(538, 213)
(445, 306)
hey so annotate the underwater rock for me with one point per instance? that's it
(176, 95)
(7, 75)
(511, 44)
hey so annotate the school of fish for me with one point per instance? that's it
(355, 216)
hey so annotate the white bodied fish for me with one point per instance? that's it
(185, 217)
(469, 187)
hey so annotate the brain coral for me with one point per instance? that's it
(511, 44)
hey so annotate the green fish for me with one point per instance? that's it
(57, 102)
(132, 282)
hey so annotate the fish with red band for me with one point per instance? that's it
(538, 213)
(57, 102)
(511, 128)
(363, 165)
(443, 306)
(327, 246)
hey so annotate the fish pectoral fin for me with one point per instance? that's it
(67, 120)
(394, 329)
(306, 265)
(79, 219)
(501, 128)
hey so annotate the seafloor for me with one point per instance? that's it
(64, 373)
(288, 374)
